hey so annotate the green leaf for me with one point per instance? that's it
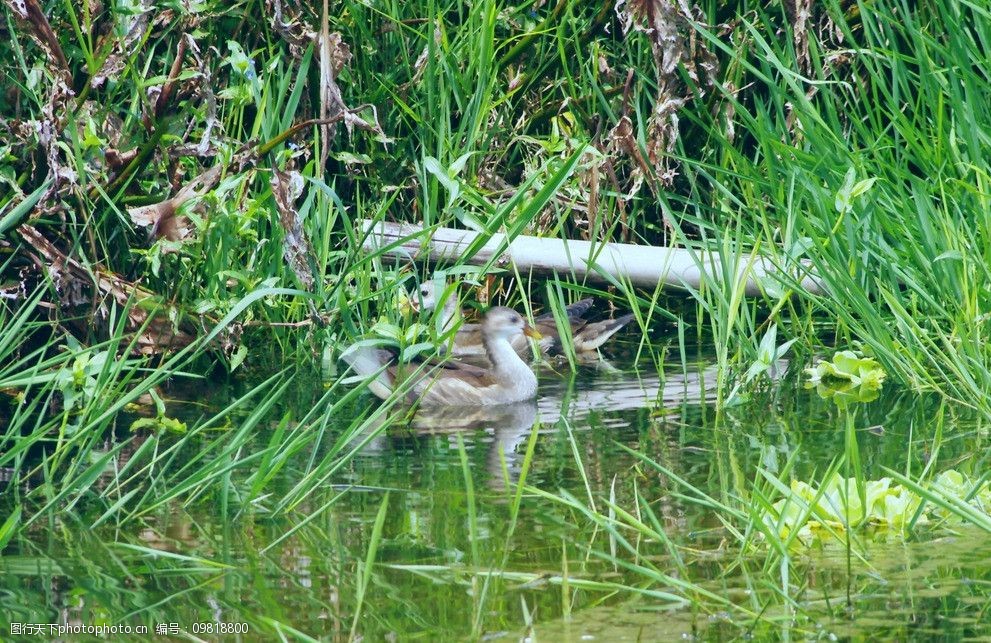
(10, 527)
(862, 187)
(14, 217)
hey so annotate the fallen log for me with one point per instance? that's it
(645, 266)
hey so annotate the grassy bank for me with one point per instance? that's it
(191, 172)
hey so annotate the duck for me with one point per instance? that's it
(586, 336)
(505, 380)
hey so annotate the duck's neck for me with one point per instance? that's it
(503, 357)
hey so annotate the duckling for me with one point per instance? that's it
(586, 336)
(453, 383)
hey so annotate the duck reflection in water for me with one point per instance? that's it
(506, 426)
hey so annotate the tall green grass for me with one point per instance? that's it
(499, 117)
(888, 111)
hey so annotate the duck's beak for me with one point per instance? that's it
(531, 332)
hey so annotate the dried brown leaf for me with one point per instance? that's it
(333, 54)
(51, 125)
(286, 188)
(31, 13)
(421, 60)
(148, 317)
(801, 11)
(133, 27)
(163, 217)
(292, 27)
(205, 89)
(674, 44)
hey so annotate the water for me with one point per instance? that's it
(453, 564)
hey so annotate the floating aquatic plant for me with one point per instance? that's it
(818, 514)
(956, 485)
(849, 377)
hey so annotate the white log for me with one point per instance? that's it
(644, 266)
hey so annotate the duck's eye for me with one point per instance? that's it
(423, 291)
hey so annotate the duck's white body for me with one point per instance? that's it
(513, 380)
(508, 378)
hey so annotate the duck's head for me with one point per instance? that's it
(425, 297)
(506, 323)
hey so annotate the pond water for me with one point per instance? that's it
(452, 557)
